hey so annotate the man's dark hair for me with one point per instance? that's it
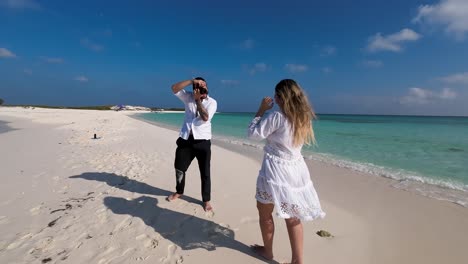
(198, 78)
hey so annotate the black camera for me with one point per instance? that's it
(203, 90)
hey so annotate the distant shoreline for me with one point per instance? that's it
(179, 110)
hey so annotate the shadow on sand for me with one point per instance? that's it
(130, 185)
(184, 230)
(4, 127)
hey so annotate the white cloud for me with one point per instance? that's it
(4, 53)
(91, 45)
(456, 78)
(27, 71)
(327, 70)
(258, 67)
(247, 44)
(81, 79)
(20, 4)
(450, 14)
(372, 63)
(391, 42)
(296, 68)
(423, 96)
(229, 82)
(328, 51)
(52, 60)
(447, 93)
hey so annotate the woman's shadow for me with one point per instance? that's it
(184, 230)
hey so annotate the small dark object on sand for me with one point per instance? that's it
(324, 233)
(46, 260)
(51, 224)
(95, 137)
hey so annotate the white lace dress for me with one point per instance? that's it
(284, 178)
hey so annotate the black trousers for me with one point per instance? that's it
(186, 151)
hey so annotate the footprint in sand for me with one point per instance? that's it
(3, 245)
(108, 252)
(102, 215)
(249, 220)
(172, 257)
(63, 254)
(18, 242)
(36, 210)
(39, 175)
(4, 220)
(7, 202)
(148, 241)
(111, 255)
(42, 246)
(214, 231)
(73, 167)
(123, 225)
(210, 214)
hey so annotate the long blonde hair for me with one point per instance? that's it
(299, 112)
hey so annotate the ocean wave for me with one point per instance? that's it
(240, 142)
(445, 190)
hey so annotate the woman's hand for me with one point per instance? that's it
(266, 104)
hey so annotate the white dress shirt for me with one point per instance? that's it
(192, 123)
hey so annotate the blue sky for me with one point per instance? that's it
(352, 57)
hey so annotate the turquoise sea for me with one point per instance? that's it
(428, 155)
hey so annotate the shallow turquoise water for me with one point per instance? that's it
(427, 149)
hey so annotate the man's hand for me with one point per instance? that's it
(197, 95)
(199, 83)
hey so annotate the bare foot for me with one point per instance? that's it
(207, 206)
(260, 250)
(173, 197)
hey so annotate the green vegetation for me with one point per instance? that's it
(99, 107)
(1, 101)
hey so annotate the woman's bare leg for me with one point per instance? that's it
(267, 226)
(296, 238)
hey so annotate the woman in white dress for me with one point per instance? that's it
(284, 180)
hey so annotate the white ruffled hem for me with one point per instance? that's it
(301, 203)
(284, 181)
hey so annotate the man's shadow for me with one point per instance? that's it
(130, 185)
(184, 230)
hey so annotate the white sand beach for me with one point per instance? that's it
(68, 198)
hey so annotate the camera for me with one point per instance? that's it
(202, 90)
